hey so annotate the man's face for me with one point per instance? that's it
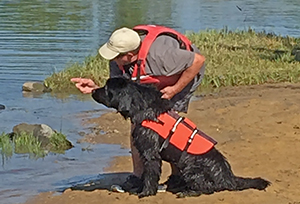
(123, 59)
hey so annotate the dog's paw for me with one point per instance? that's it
(132, 184)
(147, 192)
(188, 194)
(175, 184)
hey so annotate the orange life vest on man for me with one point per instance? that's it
(152, 32)
(180, 132)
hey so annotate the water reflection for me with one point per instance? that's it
(132, 12)
(35, 15)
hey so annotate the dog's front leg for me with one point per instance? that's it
(146, 142)
(151, 173)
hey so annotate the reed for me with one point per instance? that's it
(233, 58)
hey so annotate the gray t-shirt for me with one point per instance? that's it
(166, 58)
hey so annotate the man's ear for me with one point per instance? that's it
(125, 104)
(130, 56)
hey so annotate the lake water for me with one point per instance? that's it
(38, 38)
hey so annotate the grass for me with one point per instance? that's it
(6, 145)
(20, 144)
(233, 58)
(59, 143)
(247, 58)
(27, 143)
(93, 67)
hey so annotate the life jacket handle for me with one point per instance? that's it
(165, 144)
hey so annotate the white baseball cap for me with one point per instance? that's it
(121, 41)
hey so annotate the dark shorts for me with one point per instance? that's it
(182, 99)
(182, 104)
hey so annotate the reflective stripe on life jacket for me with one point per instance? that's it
(181, 132)
(152, 32)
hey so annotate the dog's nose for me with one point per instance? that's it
(94, 91)
(95, 94)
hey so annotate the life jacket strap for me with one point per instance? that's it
(184, 152)
(189, 142)
(175, 115)
(165, 144)
(138, 77)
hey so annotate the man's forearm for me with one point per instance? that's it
(189, 74)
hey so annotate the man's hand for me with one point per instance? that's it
(168, 92)
(84, 85)
(186, 77)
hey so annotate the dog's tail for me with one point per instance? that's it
(246, 183)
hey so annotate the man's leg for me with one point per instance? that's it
(181, 103)
(138, 166)
(134, 181)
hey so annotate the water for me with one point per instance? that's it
(39, 37)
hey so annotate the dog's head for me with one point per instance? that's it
(130, 98)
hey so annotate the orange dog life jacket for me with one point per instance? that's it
(180, 132)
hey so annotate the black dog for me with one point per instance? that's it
(200, 173)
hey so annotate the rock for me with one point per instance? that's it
(2, 107)
(24, 127)
(32, 86)
(42, 132)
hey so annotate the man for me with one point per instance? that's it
(157, 55)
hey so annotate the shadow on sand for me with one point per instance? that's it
(104, 182)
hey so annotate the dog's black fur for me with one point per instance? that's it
(200, 174)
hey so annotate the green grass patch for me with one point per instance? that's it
(59, 143)
(233, 58)
(6, 145)
(25, 143)
(94, 67)
(247, 58)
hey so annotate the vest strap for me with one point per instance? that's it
(138, 76)
(175, 115)
(165, 144)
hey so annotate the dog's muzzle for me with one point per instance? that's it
(100, 96)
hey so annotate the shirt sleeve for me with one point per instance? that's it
(166, 58)
(175, 61)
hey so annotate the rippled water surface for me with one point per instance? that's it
(38, 38)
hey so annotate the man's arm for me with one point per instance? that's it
(185, 78)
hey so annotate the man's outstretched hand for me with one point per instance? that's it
(84, 85)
